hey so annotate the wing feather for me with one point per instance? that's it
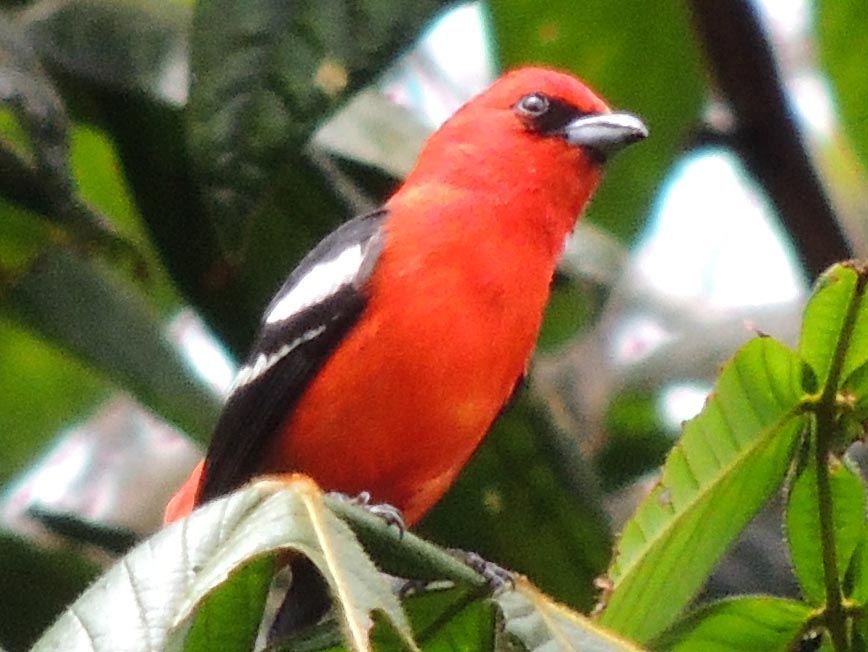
(307, 319)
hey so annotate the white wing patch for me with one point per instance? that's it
(318, 284)
(263, 362)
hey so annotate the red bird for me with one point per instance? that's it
(390, 350)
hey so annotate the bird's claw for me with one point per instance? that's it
(412, 587)
(388, 513)
(497, 577)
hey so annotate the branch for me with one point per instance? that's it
(767, 138)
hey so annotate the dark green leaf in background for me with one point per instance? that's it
(140, 46)
(571, 306)
(34, 148)
(151, 145)
(637, 442)
(97, 170)
(81, 307)
(37, 586)
(266, 73)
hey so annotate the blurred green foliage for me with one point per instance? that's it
(146, 195)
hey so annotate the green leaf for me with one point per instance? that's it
(843, 52)
(36, 585)
(34, 148)
(372, 129)
(803, 525)
(729, 460)
(77, 305)
(228, 619)
(743, 624)
(528, 501)
(113, 539)
(43, 389)
(452, 619)
(102, 184)
(857, 584)
(403, 554)
(860, 640)
(637, 442)
(150, 141)
(157, 587)
(570, 308)
(41, 130)
(543, 625)
(456, 619)
(265, 75)
(135, 46)
(23, 236)
(836, 309)
(599, 45)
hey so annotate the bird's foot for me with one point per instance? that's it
(497, 576)
(388, 513)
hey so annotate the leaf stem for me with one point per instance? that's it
(836, 619)
(825, 424)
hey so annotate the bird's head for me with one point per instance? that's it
(524, 156)
(555, 106)
(533, 123)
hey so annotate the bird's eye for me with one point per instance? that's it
(533, 105)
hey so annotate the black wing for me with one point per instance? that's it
(313, 311)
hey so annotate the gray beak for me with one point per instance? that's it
(605, 133)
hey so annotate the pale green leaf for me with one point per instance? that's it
(146, 600)
(729, 460)
(543, 625)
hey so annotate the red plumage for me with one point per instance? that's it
(455, 300)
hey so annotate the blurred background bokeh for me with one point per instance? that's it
(145, 221)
